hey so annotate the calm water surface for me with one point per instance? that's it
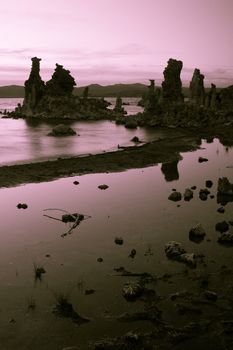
(134, 207)
(26, 140)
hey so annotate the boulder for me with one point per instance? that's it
(175, 196)
(62, 130)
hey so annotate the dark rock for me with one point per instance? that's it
(103, 187)
(76, 183)
(209, 183)
(22, 206)
(202, 159)
(64, 308)
(62, 130)
(211, 295)
(118, 106)
(189, 259)
(188, 194)
(221, 210)
(175, 196)
(100, 260)
(203, 194)
(132, 290)
(197, 233)
(212, 196)
(170, 170)
(174, 249)
(197, 90)
(193, 187)
(222, 226)
(119, 240)
(61, 84)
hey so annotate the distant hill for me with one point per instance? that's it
(95, 90)
(11, 91)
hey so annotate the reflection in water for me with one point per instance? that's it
(170, 170)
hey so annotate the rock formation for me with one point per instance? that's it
(151, 99)
(61, 84)
(172, 85)
(118, 106)
(197, 90)
(34, 87)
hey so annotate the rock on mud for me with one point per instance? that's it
(175, 251)
(197, 233)
(222, 226)
(226, 238)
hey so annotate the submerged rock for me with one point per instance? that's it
(188, 194)
(62, 130)
(175, 196)
(197, 233)
(103, 187)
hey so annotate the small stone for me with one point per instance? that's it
(212, 196)
(226, 238)
(135, 139)
(174, 249)
(202, 159)
(62, 130)
(193, 187)
(119, 240)
(103, 187)
(221, 210)
(222, 226)
(100, 260)
(209, 183)
(225, 187)
(175, 196)
(76, 183)
(211, 295)
(188, 258)
(47, 255)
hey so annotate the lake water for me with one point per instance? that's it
(134, 207)
(26, 140)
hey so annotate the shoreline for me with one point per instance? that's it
(163, 150)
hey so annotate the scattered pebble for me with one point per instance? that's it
(132, 253)
(76, 183)
(202, 159)
(209, 183)
(100, 260)
(119, 240)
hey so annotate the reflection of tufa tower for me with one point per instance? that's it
(34, 87)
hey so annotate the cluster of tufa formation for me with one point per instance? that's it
(166, 106)
(55, 98)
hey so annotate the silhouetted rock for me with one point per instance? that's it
(221, 210)
(202, 160)
(119, 240)
(34, 87)
(226, 238)
(197, 90)
(209, 183)
(62, 130)
(172, 85)
(22, 206)
(103, 187)
(135, 139)
(118, 106)
(225, 98)
(131, 124)
(61, 84)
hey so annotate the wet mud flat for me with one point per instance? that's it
(138, 294)
(163, 149)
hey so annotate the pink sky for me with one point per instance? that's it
(116, 41)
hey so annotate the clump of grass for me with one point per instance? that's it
(38, 271)
(64, 308)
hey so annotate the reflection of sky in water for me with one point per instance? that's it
(135, 207)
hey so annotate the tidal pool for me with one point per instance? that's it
(134, 207)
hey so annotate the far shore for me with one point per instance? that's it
(163, 150)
